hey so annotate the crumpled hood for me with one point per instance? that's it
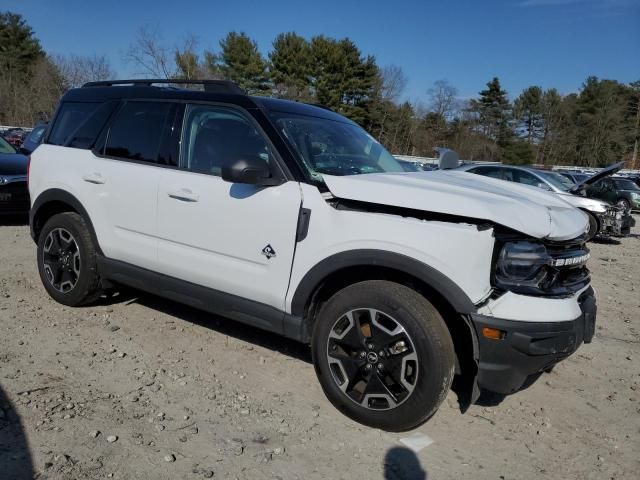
(529, 210)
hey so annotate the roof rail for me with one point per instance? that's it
(218, 86)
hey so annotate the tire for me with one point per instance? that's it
(594, 225)
(417, 373)
(67, 260)
(624, 203)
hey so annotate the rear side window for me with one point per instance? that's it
(137, 130)
(492, 172)
(70, 116)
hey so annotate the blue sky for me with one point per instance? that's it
(552, 43)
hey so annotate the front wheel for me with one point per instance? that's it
(624, 203)
(594, 225)
(383, 355)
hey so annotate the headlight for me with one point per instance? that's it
(521, 264)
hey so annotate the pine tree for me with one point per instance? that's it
(528, 111)
(291, 67)
(241, 62)
(19, 49)
(494, 112)
(342, 79)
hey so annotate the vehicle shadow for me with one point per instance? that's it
(14, 220)
(222, 325)
(15, 457)
(401, 463)
(606, 240)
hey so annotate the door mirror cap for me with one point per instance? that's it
(249, 170)
(544, 186)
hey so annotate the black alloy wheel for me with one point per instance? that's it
(372, 359)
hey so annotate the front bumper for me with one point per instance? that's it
(529, 348)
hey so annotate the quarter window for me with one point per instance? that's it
(137, 130)
(69, 118)
(217, 136)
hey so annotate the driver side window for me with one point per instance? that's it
(216, 136)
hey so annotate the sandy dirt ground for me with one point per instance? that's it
(143, 388)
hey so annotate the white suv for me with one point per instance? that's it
(291, 218)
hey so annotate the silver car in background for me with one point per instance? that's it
(604, 218)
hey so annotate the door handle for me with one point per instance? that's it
(95, 178)
(184, 195)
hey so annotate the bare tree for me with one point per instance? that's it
(394, 81)
(149, 54)
(443, 99)
(76, 70)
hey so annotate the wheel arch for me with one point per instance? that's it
(54, 201)
(340, 270)
(596, 217)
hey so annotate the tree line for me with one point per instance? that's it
(596, 126)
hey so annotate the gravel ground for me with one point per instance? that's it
(143, 388)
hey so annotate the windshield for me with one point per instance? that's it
(334, 148)
(624, 184)
(5, 147)
(557, 180)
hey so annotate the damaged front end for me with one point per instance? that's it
(616, 221)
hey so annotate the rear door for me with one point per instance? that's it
(233, 238)
(121, 181)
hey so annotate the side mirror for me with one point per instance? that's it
(543, 186)
(250, 170)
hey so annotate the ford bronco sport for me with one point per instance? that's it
(291, 218)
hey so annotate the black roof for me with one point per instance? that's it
(219, 91)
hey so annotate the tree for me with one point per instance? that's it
(634, 117)
(19, 49)
(442, 99)
(148, 53)
(528, 111)
(342, 79)
(493, 111)
(599, 117)
(76, 70)
(241, 62)
(291, 66)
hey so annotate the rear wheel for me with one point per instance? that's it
(383, 355)
(67, 260)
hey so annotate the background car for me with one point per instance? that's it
(14, 196)
(575, 177)
(603, 217)
(620, 191)
(14, 136)
(34, 139)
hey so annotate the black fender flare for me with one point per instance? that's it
(435, 279)
(60, 196)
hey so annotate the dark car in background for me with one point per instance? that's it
(14, 136)
(617, 190)
(34, 139)
(14, 196)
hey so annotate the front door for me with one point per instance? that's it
(233, 238)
